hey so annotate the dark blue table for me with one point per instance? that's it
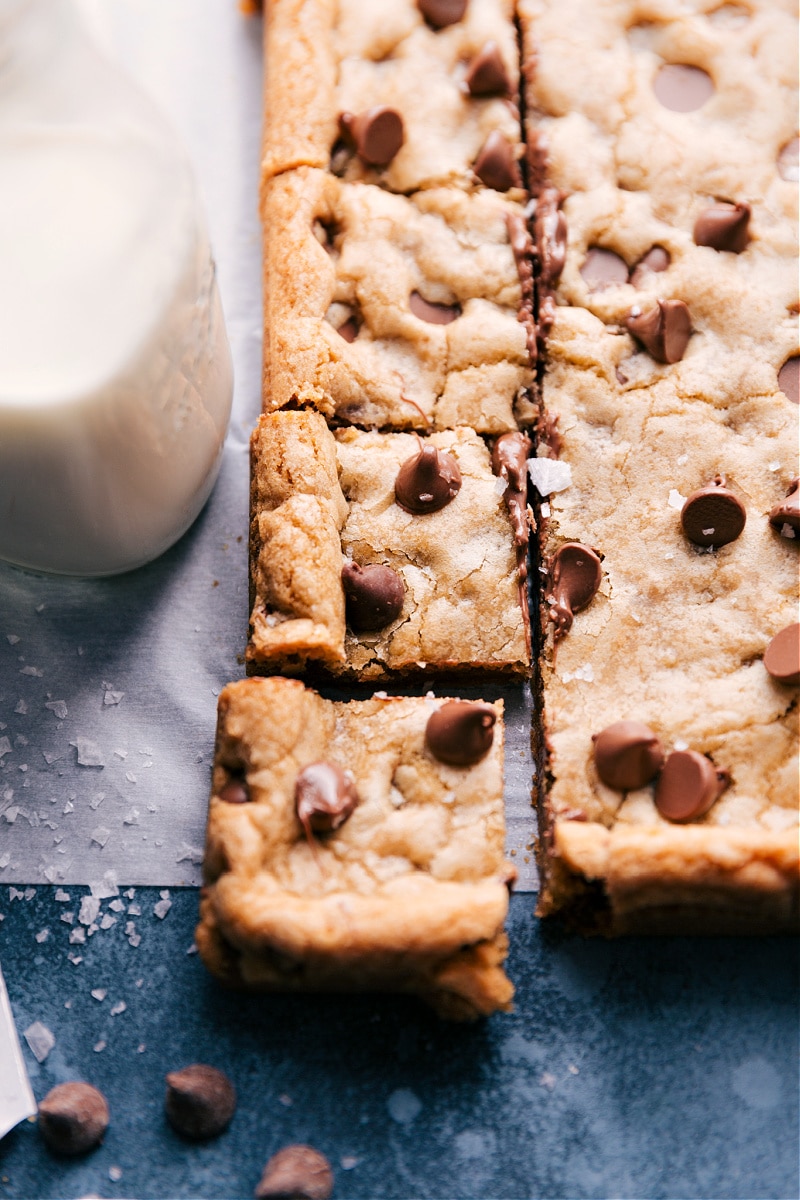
(664, 1068)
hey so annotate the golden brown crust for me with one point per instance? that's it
(408, 895)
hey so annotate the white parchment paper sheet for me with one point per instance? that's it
(108, 688)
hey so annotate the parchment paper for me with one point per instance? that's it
(108, 688)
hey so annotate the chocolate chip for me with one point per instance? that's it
(486, 74)
(682, 88)
(325, 796)
(627, 755)
(349, 329)
(439, 13)
(788, 511)
(723, 226)
(575, 576)
(510, 463)
(434, 314)
(200, 1101)
(427, 481)
(655, 261)
(789, 161)
(713, 516)
(377, 134)
(664, 330)
(235, 791)
(461, 732)
(73, 1118)
(296, 1173)
(603, 268)
(789, 379)
(688, 785)
(374, 595)
(496, 165)
(782, 655)
(550, 233)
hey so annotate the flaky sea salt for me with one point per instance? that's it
(106, 921)
(99, 1047)
(675, 499)
(5, 746)
(549, 475)
(42, 935)
(188, 853)
(99, 994)
(90, 907)
(40, 1040)
(100, 835)
(118, 1008)
(89, 753)
(57, 707)
(77, 936)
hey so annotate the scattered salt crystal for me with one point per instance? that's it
(584, 673)
(29, 893)
(24, 766)
(709, 532)
(500, 485)
(77, 936)
(110, 697)
(134, 910)
(139, 982)
(680, 744)
(89, 753)
(106, 887)
(573, 1070)
(15, 893)
(117, 905)
(21, 707)
(12, 639)
(40, 1039)
(549, 475)
(161, 908)
(115, 1174)
(75, 958)
(348, 1161)
(545, 509)
(675, 499)
(101, 835)
(132, 817)
(140, 1049)
(380, 695)
(774, 466)
(121, 753)
(90, 907)
(37, 674)
(99, 994)
(68, 917)
(188, 853)
(131, 778)
(61, 896)
(546, 1080)
(787, 531)
(285, 1100)
(669, 557)
(68, 808)
(67, 1004)
(57, 707)
(107, 921)
(5, 746)
(134, 940)
(11, 814)
(131, 892)
(192, 949)
(99, 1047)
(682, 459)
(42, 935)
(97, 800)
(5, 859)
(118, 1008)
(49, 758)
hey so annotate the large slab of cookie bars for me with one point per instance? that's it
(669, 799)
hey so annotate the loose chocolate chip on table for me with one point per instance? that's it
(550, 232)
(789, 379)
(460, 732)
(682, 88)
(73, 1118)
(486, 74)
(439, 13)
(782, 655)
(603, 268)
(200, 1101)
(235, 791)
(427, 481)
(496, 165)
(788, 511)
(713, 516)
(664, 330)
(325, 796)
(723, 226)
(349, 329)
(627, 755)
(655, 261)
(434, 314)
(296, 1173)
(374, 595)
(789, 161)
(377, 134)
(575, 576)
(688, 786)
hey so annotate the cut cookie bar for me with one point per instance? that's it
(392, 312)
(375, 92)
(330, 510)
(668, 797)
(344, 854)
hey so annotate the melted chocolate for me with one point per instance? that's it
(427, 481)
(723, 226)
(575, 576)
(664, 331)
(374, 595)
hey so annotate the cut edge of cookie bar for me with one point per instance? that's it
(392, 312)
(610, 862)
(461, 570)
(409, 894)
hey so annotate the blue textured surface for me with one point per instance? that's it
(664, 1068)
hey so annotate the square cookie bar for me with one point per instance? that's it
(407, 95)
(392, 312)
(379, 554)
(357, 847)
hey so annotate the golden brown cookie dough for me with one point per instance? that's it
(408, 894)
(325, 58)
(393, 312)
(676, 634)
(321, 499)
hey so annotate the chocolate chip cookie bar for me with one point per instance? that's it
(667, 241)
(377, 554)
(408, 95)
(396, 312)
(357, 846)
